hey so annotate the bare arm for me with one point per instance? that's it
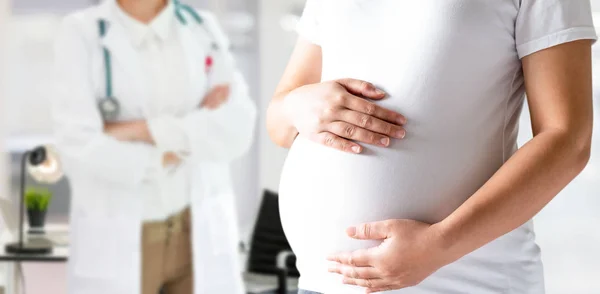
(559, 89)
(335, 113)
(304, 68)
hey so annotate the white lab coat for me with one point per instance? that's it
(105, 174)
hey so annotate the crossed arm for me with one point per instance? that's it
(139, 130)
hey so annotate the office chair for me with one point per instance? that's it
(271, 263)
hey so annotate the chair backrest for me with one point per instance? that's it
(268, 239)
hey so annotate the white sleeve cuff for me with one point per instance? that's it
(308, 32)
(155, 165)
(169, 135)
(564, 36)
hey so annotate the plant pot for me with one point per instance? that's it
(37, 218)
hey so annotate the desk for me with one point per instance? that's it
(59, 254)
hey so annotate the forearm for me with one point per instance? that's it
(222, 134)
(279, 126)
(143, 134)
(106, 158)
(133, 131)
(520, 189)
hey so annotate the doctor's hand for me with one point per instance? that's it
(336, 113)
(410, 252)
(170, 159)
(216, 97)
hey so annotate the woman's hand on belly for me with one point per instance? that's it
(410, 252)
(334, 113)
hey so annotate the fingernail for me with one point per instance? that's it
(355, 149)
(401, 120)
(385, 141)
(379, 91)
(351, 231)
(400, 134)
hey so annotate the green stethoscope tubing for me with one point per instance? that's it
(107, 62)
(109, 106)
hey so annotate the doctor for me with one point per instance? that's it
(149, 111)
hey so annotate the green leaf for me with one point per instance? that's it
(37, 199)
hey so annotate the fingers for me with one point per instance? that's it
(371, 123)
(208, 98)
(361, 88)
(334, 141)
(366, 283)
(373, 110)
(370, 231)
(352, 132)
(217, 96)
(360, 258)
(380, 289)
(170, 158)
(214, 103)
(355, 272)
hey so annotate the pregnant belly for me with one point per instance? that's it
(323, 191)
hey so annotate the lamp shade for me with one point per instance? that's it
(44, 165)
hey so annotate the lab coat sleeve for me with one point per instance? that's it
(83, 146)
(221, 135)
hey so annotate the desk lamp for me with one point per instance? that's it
(43, 165)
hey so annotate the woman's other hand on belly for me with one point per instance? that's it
(410, 252)
(338, 112)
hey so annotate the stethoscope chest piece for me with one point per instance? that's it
(109, 107)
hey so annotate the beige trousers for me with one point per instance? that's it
(167, 256)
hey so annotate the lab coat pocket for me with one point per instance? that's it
(95, 247)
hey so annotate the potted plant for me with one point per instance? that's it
(37, 201)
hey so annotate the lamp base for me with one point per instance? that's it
(36, 231)
(33, 249)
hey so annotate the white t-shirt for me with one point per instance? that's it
(453, 68)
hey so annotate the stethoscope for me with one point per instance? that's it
(109, 105)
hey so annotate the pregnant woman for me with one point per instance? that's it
(401, 117)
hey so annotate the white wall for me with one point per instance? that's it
(4, 13)
(275, 48)
(3, 159)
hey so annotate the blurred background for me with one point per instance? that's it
(262, 35)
